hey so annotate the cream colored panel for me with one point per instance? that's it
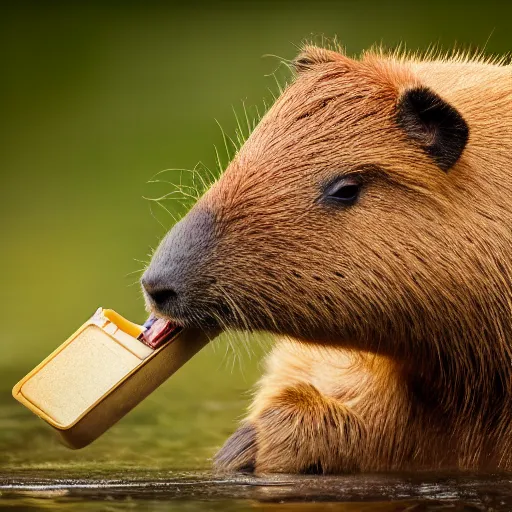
(91, 365)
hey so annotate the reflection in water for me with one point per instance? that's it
(91, 506)
(160, 491)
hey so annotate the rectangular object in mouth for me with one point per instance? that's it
(102, 371)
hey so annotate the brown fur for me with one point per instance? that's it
(396, 312)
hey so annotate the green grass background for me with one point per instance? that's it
(97, 97)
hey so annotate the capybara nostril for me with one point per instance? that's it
(163, 296)
(159, 295)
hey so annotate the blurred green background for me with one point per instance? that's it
(98, 97)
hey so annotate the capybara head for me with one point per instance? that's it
(355, 213)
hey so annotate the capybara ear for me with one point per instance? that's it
(310, 56)
(435, 124)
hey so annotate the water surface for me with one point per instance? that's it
(170, 490)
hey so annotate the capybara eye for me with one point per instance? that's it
(345, 190)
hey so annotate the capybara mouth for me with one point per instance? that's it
(158, 330)
(213, 319)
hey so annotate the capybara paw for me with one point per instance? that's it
(239, 451)
(298, 431)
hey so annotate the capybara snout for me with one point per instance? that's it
(179, 280)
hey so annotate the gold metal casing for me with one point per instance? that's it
(98, 375)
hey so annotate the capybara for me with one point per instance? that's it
(367, 223)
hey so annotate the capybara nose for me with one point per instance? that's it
(175, 279)
(160, 297)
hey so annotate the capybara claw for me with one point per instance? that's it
(238, 452)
